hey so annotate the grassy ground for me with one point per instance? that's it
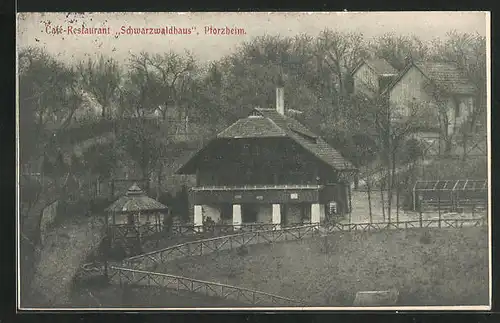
(428, 267)
(139, 296)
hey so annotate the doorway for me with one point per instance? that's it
(249, 213)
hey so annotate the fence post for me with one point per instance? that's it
(420, 216)
(368, 191)
(382, 186)
(397, 203)
(439, 210)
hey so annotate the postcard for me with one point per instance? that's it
(253, 160)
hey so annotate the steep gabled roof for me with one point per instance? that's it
(252, 127)
(268, 123)
(378, 65)
(307, 139)
(447, 76)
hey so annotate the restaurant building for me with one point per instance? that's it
(268, 168)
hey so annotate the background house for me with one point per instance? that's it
(372, 76)
(441, 87)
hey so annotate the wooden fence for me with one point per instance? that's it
(127, 276)
(217, 229)
(428, 223)
(135, 272)
(227, 242)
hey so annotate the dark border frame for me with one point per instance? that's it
(7, 22)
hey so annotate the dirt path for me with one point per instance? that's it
(64, 248)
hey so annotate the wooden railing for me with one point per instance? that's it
(228, 242)
(136, 273)
(217, 229)
(428, 223)
(257, 187)
(127, 276)
(124, 230)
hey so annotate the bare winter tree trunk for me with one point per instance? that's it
(159, 177)
(391, 179)
(369, 192)
(382, 202)
(464, 147)
(389, 194)
(398, 192)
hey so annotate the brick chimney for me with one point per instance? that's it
(280, 100)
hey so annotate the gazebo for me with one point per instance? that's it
(135, 214)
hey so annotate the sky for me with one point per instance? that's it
(51, 30)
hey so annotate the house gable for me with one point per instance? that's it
(372, 76)
(408, 88)
(365, 79)
(412, 86)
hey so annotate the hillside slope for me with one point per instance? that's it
(64, 248)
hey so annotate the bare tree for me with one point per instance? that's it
(102, 79)
(341, 52)
(173, 74)
(138, 94)
(391, 128)
(49, 95)
(395, 49)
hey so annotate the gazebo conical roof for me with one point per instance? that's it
(134, 201)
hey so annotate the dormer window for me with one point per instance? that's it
(255, 114)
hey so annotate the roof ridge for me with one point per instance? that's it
(274, 123)
(227, 129)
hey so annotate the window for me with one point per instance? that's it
(226, 212)
(245, 149)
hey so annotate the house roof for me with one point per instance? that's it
(252, 127)
(269, 123)
(135, 201)
(307, 139)
(378, 65)
(447, 76)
